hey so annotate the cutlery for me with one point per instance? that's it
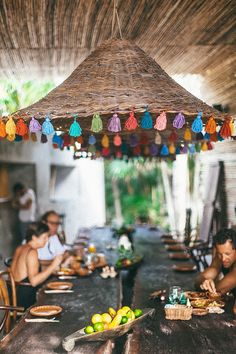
(40, 320)
(63, 277)
(58, 291)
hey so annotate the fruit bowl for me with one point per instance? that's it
(128, 263)
(69, 342)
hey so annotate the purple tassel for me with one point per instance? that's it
(179, 121)
(133, 140)
(34, 126)
(153, 149)
(114, 124)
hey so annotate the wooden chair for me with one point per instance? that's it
(9, 303)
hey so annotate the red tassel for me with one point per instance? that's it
(213, 137)
(137, 150)
(21, 127)
(225, 130)
(143, 139)
(66, 140)
(209, 145)
(173, 137)
(117, 140)
(131, 123)
(26, 136)
(105, 152)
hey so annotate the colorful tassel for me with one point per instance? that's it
(26, 137)
(33, 137)
(133, 140)
(43, 138)
(219, 137)
(105, 141)
(197, 123)
(75, 129)
(137, 150)
(143, 139)
(199, 136)
(192, 149)
(47, 127)
(92, 140)
(92, 149)
(146, 121)
(164, 150)
(21, 127)
(187, 134)
(225, 130)
(179, 121)
(178, 150)
(57, 140)
(114, 124)
(11, 137)
(11, 127)
(204, 146)
(96, 125)
(146, 150)
(213, 137)
(34, 126)
(105, 152)
(210, 127)
(172, 148)
(18, 138)
(80, 139)
(131, 123)
(154, 150)
(231, 124)
(173, 137)
(161, 122)
(158, 138)
(66, 140)
(2, 129)
(124, 148)
(117, 140)
(206, 136)
(209, 145)
(184, 149)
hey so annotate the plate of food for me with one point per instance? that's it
(215, 303)
(195, 295)
(45, 310)
(115, 328)
(200, 303)
(214, 296)
(65, 271)
(59, 285)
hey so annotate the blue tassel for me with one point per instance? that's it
(219, 137)
(178, 150)
(146, 121)
(192, 149)
(92, 140)
(18, 138)
(57, 139)
(206, 136)
(164, 150)
(75, 129)
(197, 123)
(47, 127)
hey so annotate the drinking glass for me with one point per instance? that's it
(175, 294)
(92, 248)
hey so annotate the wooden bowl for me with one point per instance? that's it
(45, 310)
(59, 285)
(69, 342)
(179, 256)
(184, 268)
(199, 312)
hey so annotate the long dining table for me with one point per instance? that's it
(213, 333)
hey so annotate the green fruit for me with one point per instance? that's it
(98, 327)
(138, 313)
(88, 330)
(124, 320)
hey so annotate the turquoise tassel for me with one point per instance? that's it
(164, 150)
(146, 121)
(92, 140)
(197, 123)
(96, 125)
(75, 129)
(47, 127)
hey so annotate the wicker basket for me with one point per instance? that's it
(178, 312)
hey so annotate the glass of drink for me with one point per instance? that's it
(92, 248)
(175, 294)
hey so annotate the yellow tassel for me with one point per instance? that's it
(11, 137)
(231, 125)
(172, 148)
(105, 141)
(187, 134)
(204, 146)
(10, 127)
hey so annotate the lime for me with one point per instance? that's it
(138, 313)
(124, 320)
(98, 327)
(106, 318)
(88, 330)
(96, 318)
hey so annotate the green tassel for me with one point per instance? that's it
(96, 125)
(75, 129)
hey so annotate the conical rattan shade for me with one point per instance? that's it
(116, 77)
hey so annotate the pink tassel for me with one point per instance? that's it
(161, 122)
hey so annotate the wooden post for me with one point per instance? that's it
(168, 196)
(4, 182)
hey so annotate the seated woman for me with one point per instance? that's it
(25, 264)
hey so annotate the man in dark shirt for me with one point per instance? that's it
(224, 262)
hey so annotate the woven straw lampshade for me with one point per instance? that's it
(116, 77)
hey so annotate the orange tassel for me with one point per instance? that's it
(131, 122)
(26, 136)
(146, 150)
(117, 140)
(172, 148)
(213, 137)
(21, 127)
(187, 134)
(210, 126)
(225, 130)
(231, 124)
(2, 129)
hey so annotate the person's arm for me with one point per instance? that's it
(227, 283)
(26, 205)
(206, 279)
(36, 277)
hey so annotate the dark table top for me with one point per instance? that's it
(209, 334)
